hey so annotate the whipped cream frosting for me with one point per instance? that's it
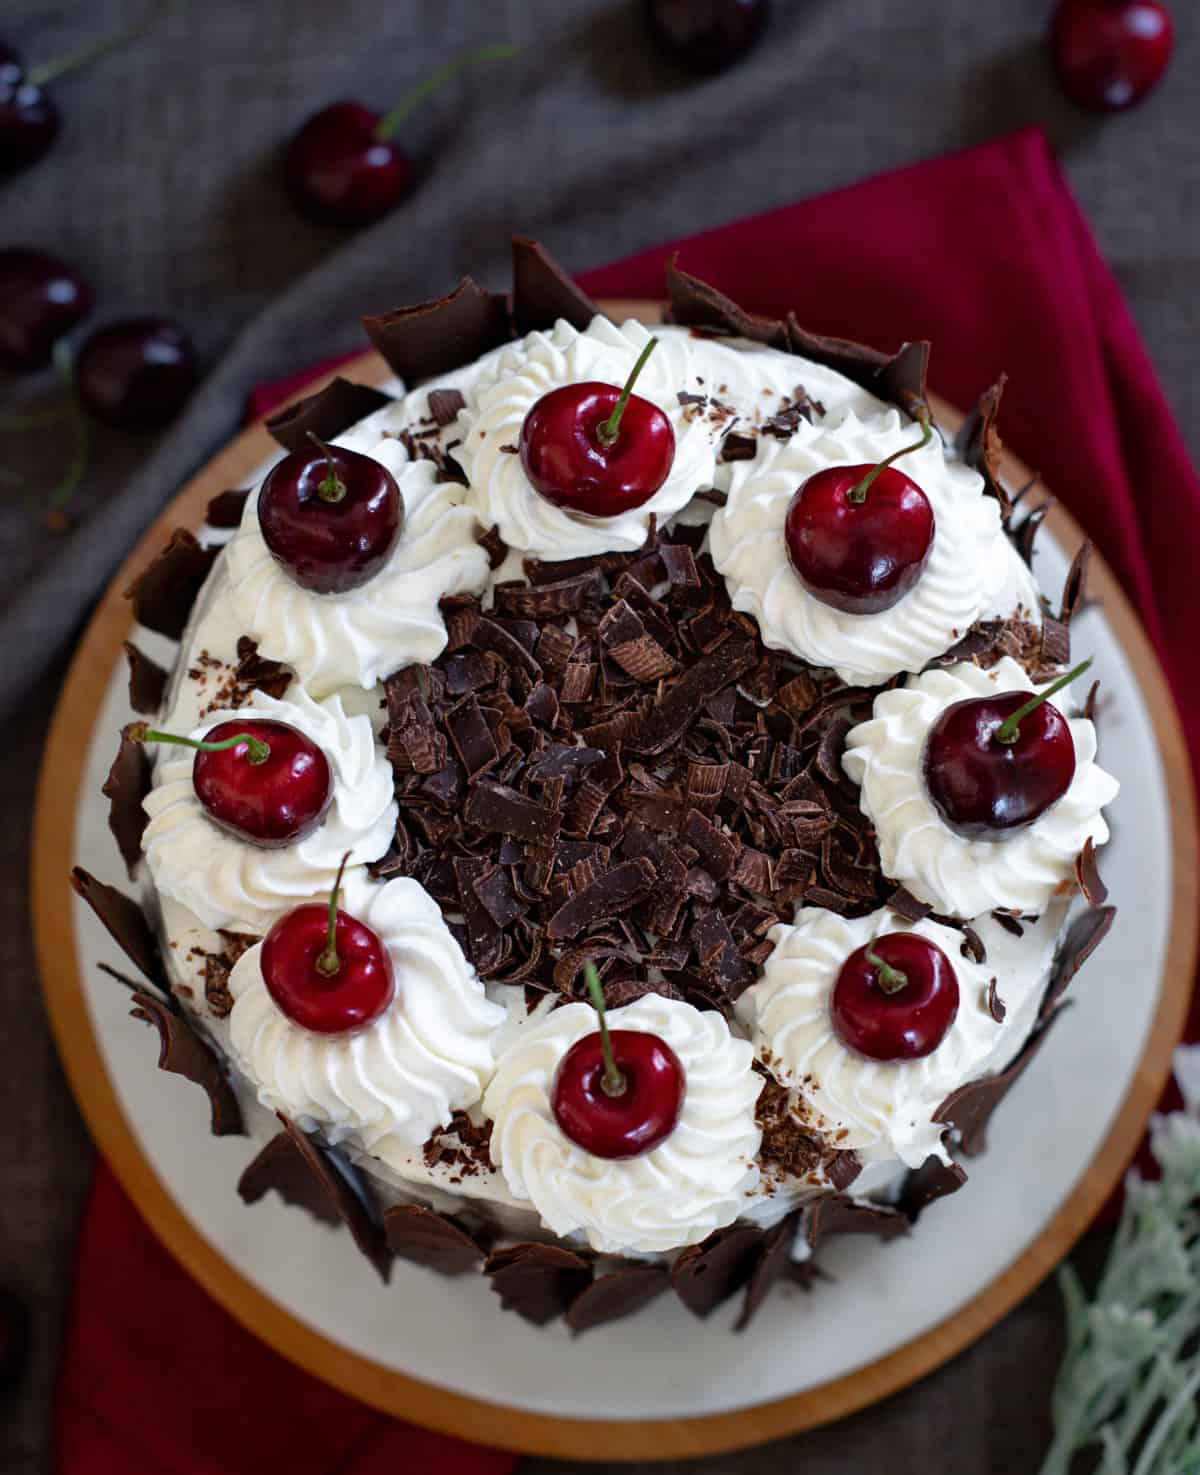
(692, 1183)
(392, 620)
(884, 1109)
(230, 883)
(501, 494)
(427, 1056)
(953, 874)
(968, 564)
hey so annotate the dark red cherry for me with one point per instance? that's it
(339, 170)
(14, 1340)
(328, 992)
(330, 517)
(41, 299)
(643, 1114)
(1110, 53)
(29, 119)
(895, 998)
(136, 374)
(706, 35)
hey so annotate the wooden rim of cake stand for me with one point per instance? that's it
(424, 1403)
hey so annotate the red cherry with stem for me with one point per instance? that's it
(618, 1094)
(895, 998)
(14, 1340)
(330, 517)
(858, 537)
(41, 299)
(327, 971)
(706, 35)
(1110, 53)
(344, 166)
(995, 764)
(597, 450)
(263, 780)
(136, 374)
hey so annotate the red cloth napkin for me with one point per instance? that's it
(987, 254)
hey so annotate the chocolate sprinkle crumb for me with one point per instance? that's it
(444, 405)
(184, 1053)
(738, 446)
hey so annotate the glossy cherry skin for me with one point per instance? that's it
(272, 803)
(29, 119)
(337, 170)
(984, 789)
(566, 462)
(136, 374)
(859, 557)
(327, 1004)
(14, 1340)
(330, 547)
(706, 35)
(41, 298)
(905, 1025)
(647, 1111)
(1110, 53)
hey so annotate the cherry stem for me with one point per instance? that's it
(858, 494)
(81, 428)
(1010, 729)
(256, 750)
(328, 963)
(392, 119)
(607, 433)
(62, 65)
(891, 980)
(331, 488)
(612, 1082)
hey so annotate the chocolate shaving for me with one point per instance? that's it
(500, 810)
(127, 784)
(1087, 874)
(1075, 585)
(695, 304)
(706, 1274)
(163, 593)
(543, 292)
(325, 414)
(125, 923)
(539, 1282)
(444, 405)
(972, 944)
(1009, 923)
(607, 896)
(1024, 534)
(934, 1179)
(1056, 642)
(432, 338)
(995, 1004)
(431, 1239)
(842, 1169)
(494, 546)
(738, 446)
(1084, 936)
(673, 713)
(772, 1262)
(147, 681)
(619, 1294)
(906, 905)
(835, 1214)
(978, 443)
(1092, 701)
(182, 1052)
(280, 1166)
(226, 508)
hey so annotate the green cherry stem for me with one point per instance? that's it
(608, 431)
(858, 494)
(328, 963)
(891, 980)
(82, 433)
(1010, 729)
(256, 750)
(612, 1082)
(392, 120)
(62, 65)
(331, 488)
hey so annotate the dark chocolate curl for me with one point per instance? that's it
(543, 292)
(147, 681)
(432, 338)
(163, 593)
(281, 1166)
(184, 1053)
(126, 924)
(127, 784)
(431, 1240)
(978, 442)
(325, 414)
(694, 304)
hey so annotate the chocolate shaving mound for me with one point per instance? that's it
(934, 1179)
(431, 1239)
(772, 1262)
(539, 1282)
(618, 1294)
(282, 1167)
(1084, 936)
(147, 681)
(217, 968)
(543, 292)
(127, 784)
(125, 923)
(1087, 874)
(163, 593)
(432, 338)
(184, 1053)
(979, 445)
(226, 508)
(835, 1214)
(325, 414)
(706, 1274)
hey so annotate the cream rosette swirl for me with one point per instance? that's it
(500, 492)
(428, 1055)
(692, 1183)
(884, 1109)
(956, 875)
(362, 635)
(230, 882)
(967, 565)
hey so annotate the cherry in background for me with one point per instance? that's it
(706, 35)
(136, 374)
(896, 998)
(344, 166)
(14, 1340)
(41, 299)
(1110, 53)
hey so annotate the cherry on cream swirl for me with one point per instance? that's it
(230, 883)
(696, 1181)
(967, 565)
(427, 1056)
(956, 875)
(501, 494)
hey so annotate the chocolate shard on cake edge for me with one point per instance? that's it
(432, 338)
(772, 1262)
(1084, 936)
(618, 1294)
(127, 784)
(837, 1214)
(226, 508)
(341, 404)
(979, 445)
(182, 1052)
(126, 924)
(537, 1281)
(280, 1166)
(147, 681)
(431, 1239)
(923, 1186)
(164, 592)
(707, 1274)
(543, 292)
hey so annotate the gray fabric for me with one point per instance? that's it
(163, 190)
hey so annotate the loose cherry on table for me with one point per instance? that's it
(263, 780)
(617, 1094)
(597, 450)
(995, 764)
(41, 299)
(344, 166)
(895, 998)
(706, 35)
(858, 537)
(330, 517)
(1110, 53)
(136, 374)
(327, 971)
